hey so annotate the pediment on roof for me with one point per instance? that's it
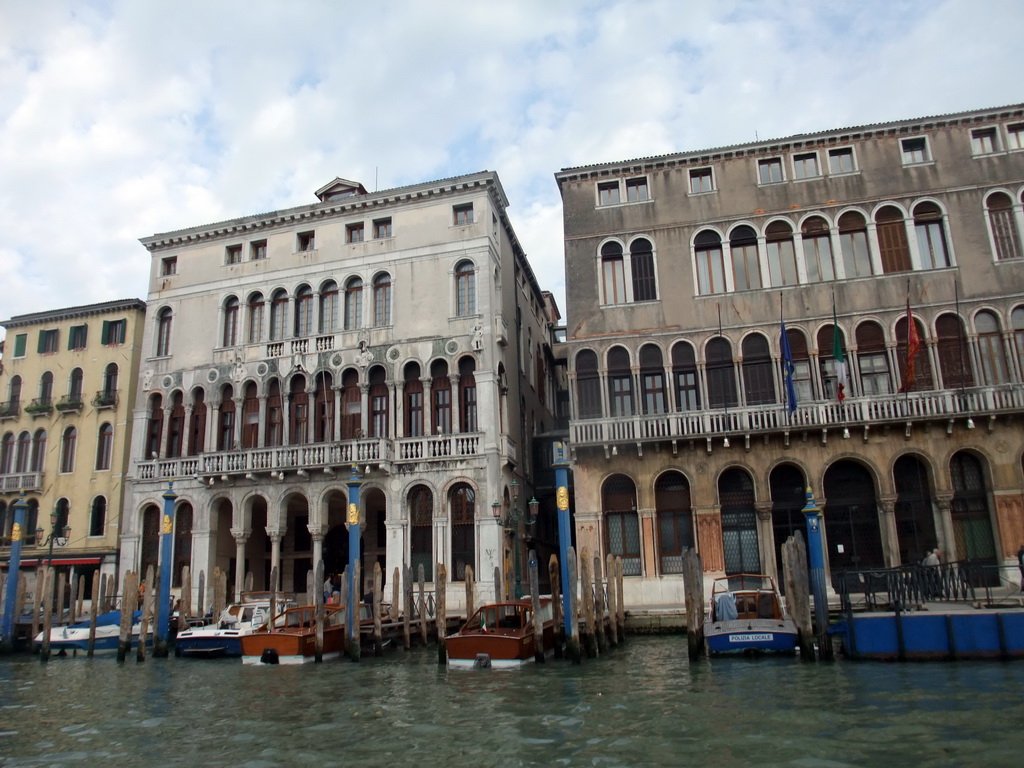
(339, 189)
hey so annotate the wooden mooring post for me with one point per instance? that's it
(421, 608)
(538, 620)
(693, 585)
(77, 594)
(556, 605)
(620, 603)
(613, 614)
(378, 628)
(185, 601)
(48, 586)
(58, 598)
(99, 585)
(149, 598)
(201, 594)
(599, 605)
(129, 599)
(220, 588)
(318, 611)
(470, 607)
(587, 633)
(37, 600)
(441, 613)
(572, 643)
(498, 595)
(395, 609)
(797, 583)
(407, 608)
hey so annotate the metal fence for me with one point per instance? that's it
(897, 589)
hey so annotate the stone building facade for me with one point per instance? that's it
(68, 386)
(682, 269)
(399, 332)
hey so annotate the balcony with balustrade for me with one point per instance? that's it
(979, 406)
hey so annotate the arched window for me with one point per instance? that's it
(972, 520)
(1017, 318)
(255, 329)
(24, 452)
(197, 423)
(817, 245)
(75, 386)
(641, 257)
(826, 361)
(758, 375)
(620, 383)
(463, 514)
(467, 395)
(801, 365)
(176, 426)
(746, 264)
(652, 380)
(110, 380)
(781, 254)
(465, 289)
(14, 393)
(892, 240)
(275, 416)
(618, 501)
(104, 446)
(182, 541)
(1002, 224)
(298, 407)
(707, 252)
(990, 348)
(951, 346)
(721, 374)
(98, 516)
(62, 509)
(226, 420)
(588, 385)
(441, 391)
(150, 545)
(46, 389)
(613, 274)
(382, 299)
(853, 240)
(675, 521)
(164, 319)
(413, 394)
(931, 236)
(38, 459)
(329, 307)
(739, 522)
(230, 337)
(303, 312)
(278, 314)
(250, 416)
(872, 359)
(922, 378)
(351, 406)
(684, 377)
(155, 426)
(353, 304)
(324, 404)
(421, 535)
(7, 452)
(378, 394)
(67, 450)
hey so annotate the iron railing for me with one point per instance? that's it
(908, 586)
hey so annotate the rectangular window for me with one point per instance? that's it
(20, 342)
(233, 254)
(701, 181)
(841, 160)
(914, 150)
(382, 228)
(169, 266)
(769, 171)
(613, 276)
(354, 232)
(258, 250)
(305, 241)
(636, 190)
(48, 342)
(77, 336)
(805, 166)
(983, 141)
(113, 331)
(608, 193)
(1015, 136)
(462, 215)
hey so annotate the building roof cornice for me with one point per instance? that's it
(374, 202)
(68, 313)
(798, 141)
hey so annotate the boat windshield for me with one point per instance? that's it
(502, 616)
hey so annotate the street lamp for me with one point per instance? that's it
(515, 517)
(59, 535)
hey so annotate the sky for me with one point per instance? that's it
(123, 118)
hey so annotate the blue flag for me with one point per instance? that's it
(787, 370)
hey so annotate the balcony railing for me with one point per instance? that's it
(21, 481)
(39, 406)
(10, 409)
(313, 457)
(69, 403)
(105, 399)
(853, 413)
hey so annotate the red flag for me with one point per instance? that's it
(913, 345)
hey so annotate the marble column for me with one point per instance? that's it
(241, 537)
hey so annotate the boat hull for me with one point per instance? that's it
(290, 647)
(209, 644)
(501, 636)
(750, 636)
(75, 637)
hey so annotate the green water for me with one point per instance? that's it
(643, 705)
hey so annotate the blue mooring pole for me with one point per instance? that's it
(163, 609)
(816, 559)
(561, 464)
(352, 610)
(13, 571)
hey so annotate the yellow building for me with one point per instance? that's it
(68, 380)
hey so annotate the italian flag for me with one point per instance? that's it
(842, 381)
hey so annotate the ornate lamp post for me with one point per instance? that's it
(58, 535)
(515, 517)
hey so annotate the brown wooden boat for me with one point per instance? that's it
(501, 635)
(292, 638)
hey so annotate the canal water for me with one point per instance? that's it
(643, 705)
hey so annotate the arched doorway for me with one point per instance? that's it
(915, 516)
(789, 494)
(851, 519)
(739, 522)
(150, 544)
(675, 520)
(335, 551)
(622, 524)
(971, 517)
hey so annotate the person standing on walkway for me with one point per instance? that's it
(1020, 564)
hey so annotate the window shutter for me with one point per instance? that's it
(41, 347)
(105, 333)
(20, 344)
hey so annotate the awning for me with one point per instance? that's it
(33, 562)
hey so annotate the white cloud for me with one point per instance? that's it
(119, 119)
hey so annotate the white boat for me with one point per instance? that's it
(224, 637)
(747, 617)
(75, 637)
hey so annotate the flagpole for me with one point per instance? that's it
(960, 346)
(725, 440)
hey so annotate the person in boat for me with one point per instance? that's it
(328, 588)
(1020, 564)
